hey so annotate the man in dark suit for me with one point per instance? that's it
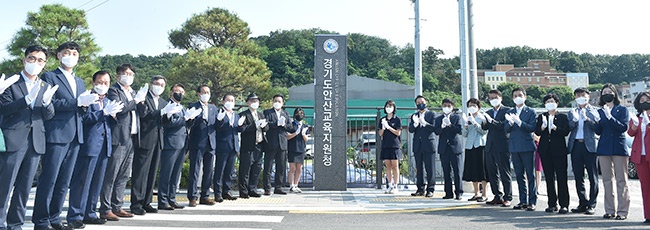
(227, 149)
(147, 154)
(89, 170)
(276, 146)
(24, 107)
(175, 122)
(425, 145)
(448, 127)
(582, 146)
(521, 125)
(125, 131)
(252, 129)
(201, 145)
(64, 135)
(497, 155)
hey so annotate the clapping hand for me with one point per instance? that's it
(142, 93)
(261, 123)
(416, 120)
(112, 107)
(241, 120)
(423, 121)
(221, 114)
(86, 98)
(544, 122)
(281, 121)
(5, 83)
(192, 113)
(608, 112)
(595, 113)
(509, 118)
(49, 93)
(384, 124)
(471, 120)
(446, 122)
(304, 131)
(576, 116)
(488, 118)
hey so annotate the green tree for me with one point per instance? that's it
(51, 26)
(506, 90)
(225, 71)
(146, 66)
(216, 27)
(564, 93)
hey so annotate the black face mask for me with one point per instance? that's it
(299, 117)
(644, 106)
(178, 96)
(608, 97)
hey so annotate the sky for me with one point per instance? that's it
(142, 26)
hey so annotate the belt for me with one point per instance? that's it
(580, 140)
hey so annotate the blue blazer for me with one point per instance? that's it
(227, 135)
(612, 132)
(497, 140)
(276, 136)
(424, 138)
(18, 118)
(589, 131)
(121, 127)
(175, 130)
(450, 136)
(66, 123)
(202, 133)
(97, 130)
(521, 137)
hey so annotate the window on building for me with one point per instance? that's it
(536, 65)
(552, 80)
(530, 79)
(537, 79)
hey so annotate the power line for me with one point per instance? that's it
(88, 10)
(85, 4)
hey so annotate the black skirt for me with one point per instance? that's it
(391, 154)
(296, 157)
(474, 170)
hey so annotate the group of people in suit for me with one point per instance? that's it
(92, 143)
(501, 136)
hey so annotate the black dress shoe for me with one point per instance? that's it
(590, 211)
(77, 224)
(60, 226)
(579, 209)
(418, 193)
(563, 210)
(95, 221)
(520, 206)
(279, 192)
(530, 207)
(551, 209)
(647, 221)
(448, 197)
(458, 198)
(165, 207)
(244, 195)
(494, 202)
(267, 192)
(218, 199)
(254, 194)
(138, 211)
(428, 194)
(150, 209)
(176, 205)
(227, 196)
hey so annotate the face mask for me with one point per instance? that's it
(255, 105)
(277, 105)
(178, 97)
(495, 102)
(299, 117)
(205, 98)
(229, 105)
(33, 68)
(582, 100)
(69, 61)
(101, 89)
(519, 100)
(157, 90)
(644, 105)
(608, 97)
(551, 106)
(472, 109)
(446, 110)
(422, 106)
(389, 110)
(126, 80)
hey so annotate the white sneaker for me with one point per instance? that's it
(292, 189)
(393, 189)
(296, 189)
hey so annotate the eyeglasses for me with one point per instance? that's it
(32, 59)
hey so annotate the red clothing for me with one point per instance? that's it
(642, 163)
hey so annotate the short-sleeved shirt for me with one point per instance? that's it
(298, 144)
(390, 140)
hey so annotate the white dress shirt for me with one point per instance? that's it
(129, 97)
(71, 81)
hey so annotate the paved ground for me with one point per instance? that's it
(368, 208)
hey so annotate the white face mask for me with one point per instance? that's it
(582, 100)
(255, 105)
(126, 80)
(101, 89)
(205, 98)
(519, 100)
(446, 110)
(389, 109)
(70, 61)
(157, 90)
(229, 105)
(277, 105)
(472, 109)
(551, 106)
(33, 68)
(495, 102)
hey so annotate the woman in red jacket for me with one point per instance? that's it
(640, 130)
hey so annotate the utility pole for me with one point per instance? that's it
(473, 78)
(464, 60)
(418, 51)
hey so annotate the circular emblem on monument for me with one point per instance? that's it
(330, 46)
